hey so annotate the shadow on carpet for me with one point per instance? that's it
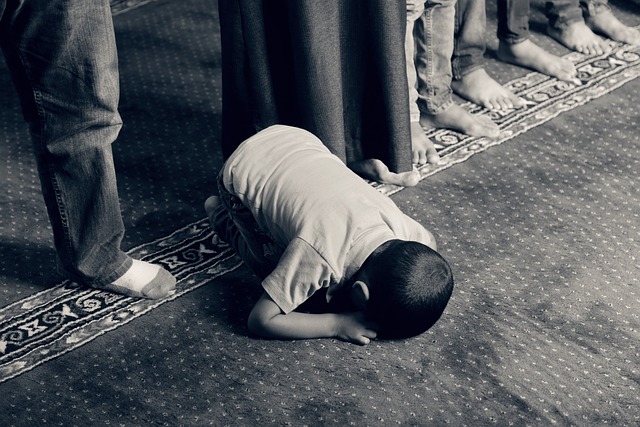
(542, 329)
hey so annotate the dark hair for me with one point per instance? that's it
(409, 285)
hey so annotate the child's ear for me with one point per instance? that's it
(360, 294)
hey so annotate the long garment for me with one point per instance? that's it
(335, 68)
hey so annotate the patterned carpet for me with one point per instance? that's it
(545, 99)
(542, 230)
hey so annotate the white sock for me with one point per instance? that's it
(144, 280)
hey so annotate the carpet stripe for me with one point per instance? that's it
(58, 320)
(546, 98)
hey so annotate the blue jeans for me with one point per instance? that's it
(562, 13)
(431, 24)
(62, 58)
(513, 21)
(469, 38)
(513, 16)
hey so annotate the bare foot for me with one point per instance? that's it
(579, 37)
(211, 204)
(480, 88)
(530, 55)
(422, 148)
(459, 119)
(375, 170)
(607, 24)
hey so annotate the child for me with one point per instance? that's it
(304, 222)
(428, 49)
(576, 23)
(515, 47)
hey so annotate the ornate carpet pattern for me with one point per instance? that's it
(545, 99)
(53, 322)
(48, 324)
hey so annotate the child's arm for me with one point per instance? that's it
(268, 321)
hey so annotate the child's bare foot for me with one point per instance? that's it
(143, 280)
(376, 170)
(422, 148)
(577, 36)
(480, 88)
(211, 204)
(607, 24)
(459, 119)
(530, 55)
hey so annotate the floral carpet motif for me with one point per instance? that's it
(58, 320)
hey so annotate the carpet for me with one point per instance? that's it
(545, 98)
(541, 227)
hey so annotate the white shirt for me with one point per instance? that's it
(328, 218)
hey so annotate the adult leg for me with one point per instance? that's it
(62, 57)
(568, 27)
(433, 33)
(517, 48)
(599, 17)
(470, 79)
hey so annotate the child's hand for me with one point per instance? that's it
(354, 328)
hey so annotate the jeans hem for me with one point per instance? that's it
(437, 110)
(97, 283)
(513, 39)
(463, 71)
(563, 25)
(119, 272)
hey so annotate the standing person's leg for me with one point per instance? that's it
(568, 27)
(517, 48)
(62, 58)
(599, 17)
(470, 79)
(433, 35)
(422, 148)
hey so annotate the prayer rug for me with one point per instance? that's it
(545, 98)
(53, 322)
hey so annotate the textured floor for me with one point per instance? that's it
(542, 231)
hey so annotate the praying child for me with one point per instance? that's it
(306, 224)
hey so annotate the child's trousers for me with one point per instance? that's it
(235, 224)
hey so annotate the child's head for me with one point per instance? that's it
(409, 286)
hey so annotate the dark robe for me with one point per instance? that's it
(333, 67)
